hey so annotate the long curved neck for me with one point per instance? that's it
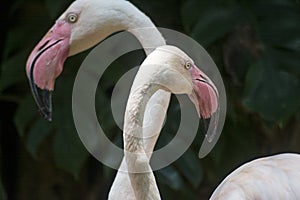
(141, 26)
(137, 23)
(134, 116)
(147, 34)
(140, 173)
(125, 16)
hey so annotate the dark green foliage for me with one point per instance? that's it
(255, 44)
(280, 84)
(2, 192)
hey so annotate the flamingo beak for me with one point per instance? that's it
(43, 99)
(45, 64)
(205, 94)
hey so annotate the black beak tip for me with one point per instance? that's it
(205, 124)
(43, 99)
(46, 114)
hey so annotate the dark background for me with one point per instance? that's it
(256, 46)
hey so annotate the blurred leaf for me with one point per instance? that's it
(25, 114)
(188, 14)
(239, 144)
(170, 177)
(56, 7)
(2, 192)
(273, 8)
(189, 165)
(271, 92)
(13, 38)
(28, 27)
(214, 23)
(37, 134)
(281, 31)
(287, 60)
(298, 115)
(13, 71)
(69, 152)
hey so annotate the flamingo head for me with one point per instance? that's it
(81, 26)
(176, 72)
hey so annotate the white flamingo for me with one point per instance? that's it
(81, 26)
(170, 69)
(275, 177)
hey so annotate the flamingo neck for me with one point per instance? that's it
(140, 173)
(141, 26)
(150, 38)
(111, 17)
(134, 117)
(145, 31)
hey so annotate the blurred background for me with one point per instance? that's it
(256, 46)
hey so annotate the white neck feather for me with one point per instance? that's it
(142, 28)
(131, 19)
(143, 184)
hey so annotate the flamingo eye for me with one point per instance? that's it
(72, 17)
(188, 65)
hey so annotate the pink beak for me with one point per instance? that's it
(45, 64)
(205, 94)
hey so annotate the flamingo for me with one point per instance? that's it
(272, 177)
(81, 26)
(170, 69)
(84, 24)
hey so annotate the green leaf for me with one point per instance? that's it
(26, 112)
(189, 165)
(13, 70)
(37, 134)
(55, 7)
(287, 60)
(170, 177)
(214, 23)
(298, 116)
(2, 192)
(13, 38)
(27, 30)
(69, 152)
(281, 31)
(271, 92)
(189, 15)
(273, 8)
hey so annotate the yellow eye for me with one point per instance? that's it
(188, 65)
(72, 17)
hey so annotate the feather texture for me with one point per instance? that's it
(275, 177)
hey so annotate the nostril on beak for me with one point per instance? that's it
(41, 47)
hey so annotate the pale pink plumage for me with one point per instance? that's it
(269, 178)
(164, 69)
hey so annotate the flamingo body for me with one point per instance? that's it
(275, 177)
